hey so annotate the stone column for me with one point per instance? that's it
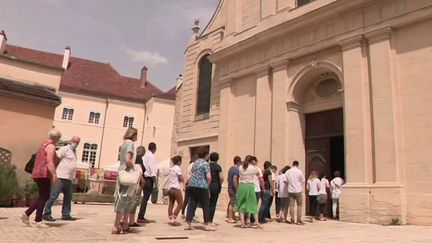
(279, 89)
(224, 139)
(384, 106)
(263, 108)
(358, 141)
(354, 203)
(387, 197)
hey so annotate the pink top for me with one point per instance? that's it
(40, 169)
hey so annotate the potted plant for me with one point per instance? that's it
(31, 192)
(8, 185)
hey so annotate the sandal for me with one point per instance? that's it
(230, 221)
(243, 226)
(134, 225)
(116, 231)
(188, 227)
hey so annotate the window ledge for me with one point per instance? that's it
(201, 117)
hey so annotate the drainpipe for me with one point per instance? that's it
(103, 130)
(144, 123)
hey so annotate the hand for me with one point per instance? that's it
(55, 180)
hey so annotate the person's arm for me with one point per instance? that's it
(221, 177)
(307, 186)
(235, 181)
(129, 162)
(153, 171)
(208, 175)
(51, 154)
(272, 187)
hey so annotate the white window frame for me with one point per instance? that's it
(90, 154)
(128, 121)
(68, 115)
(95, 118)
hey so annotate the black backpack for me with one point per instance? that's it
(30, 164)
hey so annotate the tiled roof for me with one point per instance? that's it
(88, 77)
(170, 94)
(34, 56)
(35, 92)
(101, 79)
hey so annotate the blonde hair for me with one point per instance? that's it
(130, 133)
(54, 134)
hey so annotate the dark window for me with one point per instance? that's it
(303, 2)
(94, 117)
(128, 121)
(67, 114)
(204, 86)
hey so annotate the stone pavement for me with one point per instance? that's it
(95, 221)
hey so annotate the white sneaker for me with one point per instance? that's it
(41, 225)
(25, 219)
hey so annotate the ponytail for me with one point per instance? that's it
(246, 161)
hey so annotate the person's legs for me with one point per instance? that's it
(214, 195)
(44, 186)
(171, 201)
(277, 203)
(204, 200)
(179, 199)
(299, 200)
(252, 217)
(270, 202)
(147, 191)
(55, 192)
(264, 207)
(193, 202)
(291, 201)
(67, 198)
(185, 203)
(335, 207)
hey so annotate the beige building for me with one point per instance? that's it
(336, 84)
(28, 99)
(99, 104)
(85, 98)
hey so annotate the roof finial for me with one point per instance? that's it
(196, 27)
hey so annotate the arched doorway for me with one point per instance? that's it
(317, 94)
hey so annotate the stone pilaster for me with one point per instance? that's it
(263, 110)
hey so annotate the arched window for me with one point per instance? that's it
(204, 86)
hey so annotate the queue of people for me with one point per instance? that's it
(251, 190)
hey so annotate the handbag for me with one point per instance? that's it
(30, 164)
(128, 178)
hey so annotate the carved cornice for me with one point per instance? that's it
(279, 65)
(262, 71)
(379, 35)
(352, 42)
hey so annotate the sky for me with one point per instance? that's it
(129, 34)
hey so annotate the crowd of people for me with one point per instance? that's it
(252, 190)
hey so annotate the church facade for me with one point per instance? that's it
(337, 85)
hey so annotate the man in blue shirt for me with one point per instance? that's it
(233, 176)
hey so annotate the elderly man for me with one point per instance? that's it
(65, 173)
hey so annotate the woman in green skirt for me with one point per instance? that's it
(246, 202)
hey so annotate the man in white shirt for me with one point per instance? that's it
(295, 180)
(150, 174)
(65, 173)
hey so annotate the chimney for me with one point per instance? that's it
(66, 57)
(143, 77)
(179, 81)
(3, 40)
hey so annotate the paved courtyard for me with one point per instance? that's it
(94, 225)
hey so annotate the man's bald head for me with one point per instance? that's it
(75, 139)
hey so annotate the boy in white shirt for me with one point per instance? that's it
(336, 191)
